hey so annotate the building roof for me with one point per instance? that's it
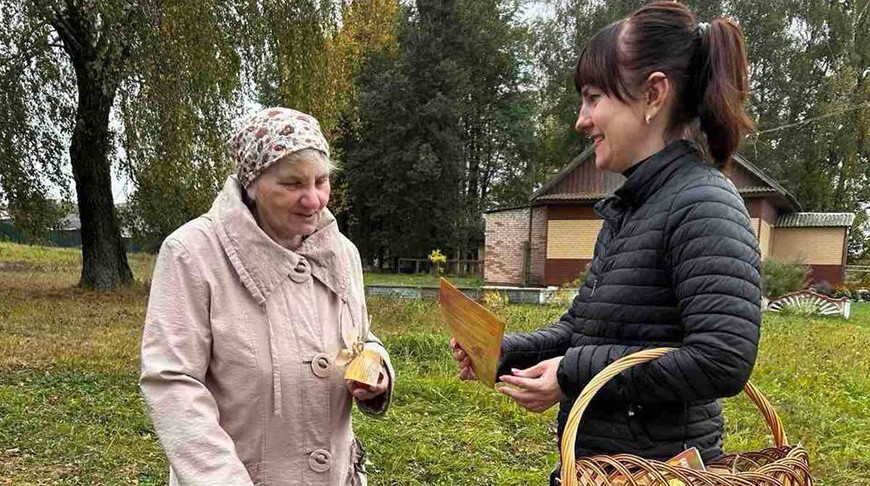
(583, 157)
(575, 196)
(505, 208)
(789, 197)
(544, 194)
(815, 220)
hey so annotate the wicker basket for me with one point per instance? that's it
(782, 465)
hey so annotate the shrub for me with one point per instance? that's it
(849, 291)
(494, 300)
(780, 278)
(824, 288)
(439, 260)
(564, 297)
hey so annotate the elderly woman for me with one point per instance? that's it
(253, 309)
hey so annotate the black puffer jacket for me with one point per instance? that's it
(676, 264)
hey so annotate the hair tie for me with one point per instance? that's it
(703, 27)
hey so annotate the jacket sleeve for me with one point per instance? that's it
(176, 350)
(713, 259)
(379, 405)
(522, 350)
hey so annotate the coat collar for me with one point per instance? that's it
(261, 263)
(654, 172)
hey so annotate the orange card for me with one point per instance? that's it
(476, 329)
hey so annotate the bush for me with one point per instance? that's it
(439, 260)
(780, 278)
(849, 291)
(564, 297)
(494, 300)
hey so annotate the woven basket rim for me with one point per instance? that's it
(793, 465)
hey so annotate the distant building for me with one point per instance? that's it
(551, 240)
(68, 232)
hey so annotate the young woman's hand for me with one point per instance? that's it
(537, 388)
(463, 360)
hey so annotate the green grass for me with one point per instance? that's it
(417, 280)
(70, 413)
(861, 313)
(23, 258)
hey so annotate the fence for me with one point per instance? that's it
(857, 273)
(459, 268)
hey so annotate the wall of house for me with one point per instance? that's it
(821, 248)
(505, 236)
(764, 233)
(506, 232)
(763, 215)
(572, 239)
(571, 235)
(538, 253)
(816, 246)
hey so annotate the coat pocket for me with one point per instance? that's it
(634, 419)
(255, 471)
(358, 475)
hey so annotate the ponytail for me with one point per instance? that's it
(706, 64)
(724, 78)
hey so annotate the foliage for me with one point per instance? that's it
(850, 291)
(808, 61)
(438, 261)
(442, 122)
(33, 71)
(191, 71)
(174, 145)
(564, 296)
(495, 301)
(779, 278)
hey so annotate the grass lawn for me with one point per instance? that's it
(861, 313)
(70, 412)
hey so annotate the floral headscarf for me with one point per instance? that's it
(269, 135)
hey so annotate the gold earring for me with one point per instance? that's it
(648, 119)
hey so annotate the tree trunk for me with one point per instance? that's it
(104, 257)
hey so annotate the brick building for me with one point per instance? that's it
(550, 241)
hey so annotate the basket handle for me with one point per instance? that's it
(569, 436)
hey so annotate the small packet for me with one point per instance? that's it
(689, 458)
(365, 368)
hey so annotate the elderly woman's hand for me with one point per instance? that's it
(363, 392)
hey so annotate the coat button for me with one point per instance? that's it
(320, 460)
(321, 365)
(301, 271)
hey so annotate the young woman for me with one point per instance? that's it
(676, 263)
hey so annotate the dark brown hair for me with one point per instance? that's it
(705, 64)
